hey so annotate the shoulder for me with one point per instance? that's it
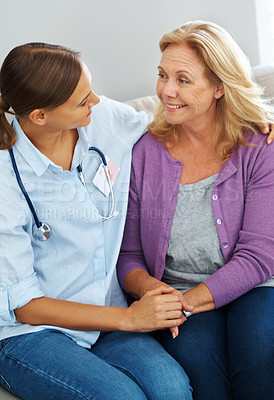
(10, 198)
(118, 111)
(147, 153)
(255, 145)
(147, 144)
(4, 156)
(5, 166)
(256, 155)
(117, 121)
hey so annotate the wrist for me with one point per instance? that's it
(200, 298)
(128, 322)
(138, 282)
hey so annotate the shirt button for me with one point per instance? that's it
(225, 245)
(215, 197)
(219, 221)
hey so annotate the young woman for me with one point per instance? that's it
(65, 166)
(200, 215)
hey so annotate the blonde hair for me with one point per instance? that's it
(241, 107)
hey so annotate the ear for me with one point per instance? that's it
(38, 117)
(219, 90)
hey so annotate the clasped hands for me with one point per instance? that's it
(160, 308)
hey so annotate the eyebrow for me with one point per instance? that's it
(181, 71)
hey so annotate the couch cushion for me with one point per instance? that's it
(147, 103)
(264, 76)
(5, 395)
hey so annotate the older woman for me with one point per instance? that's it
(200, 215)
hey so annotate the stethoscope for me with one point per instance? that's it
(42, 230)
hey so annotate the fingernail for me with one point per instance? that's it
(173, 335)
(269, 140)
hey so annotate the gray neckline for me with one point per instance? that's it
(198, 185)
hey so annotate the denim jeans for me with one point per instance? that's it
(49, 365)
(229, 353)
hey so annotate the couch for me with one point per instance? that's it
(263, 75)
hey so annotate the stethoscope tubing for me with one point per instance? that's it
(99, 152)
(23, 189)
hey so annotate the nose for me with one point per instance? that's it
(93, 99)
(170, 89)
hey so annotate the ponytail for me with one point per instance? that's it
(7, 134)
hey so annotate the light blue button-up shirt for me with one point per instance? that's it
(77, 262)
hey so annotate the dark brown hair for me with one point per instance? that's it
(33, 76)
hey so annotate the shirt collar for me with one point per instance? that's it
(81, 148)
(37, 160)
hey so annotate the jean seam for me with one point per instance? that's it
(127, 373)
(6, 383)
(37, 371)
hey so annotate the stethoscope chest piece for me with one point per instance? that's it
(42, 233)
(40, 230)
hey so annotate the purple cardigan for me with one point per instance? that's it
(243, 206)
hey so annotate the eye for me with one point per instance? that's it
(161, 75)
(182, 81)
(84, 103)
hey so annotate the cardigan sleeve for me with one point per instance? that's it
(252, 261)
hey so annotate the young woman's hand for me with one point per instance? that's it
(268, 130)
(186, 307)
(159, 308)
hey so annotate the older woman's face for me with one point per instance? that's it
(188, 96)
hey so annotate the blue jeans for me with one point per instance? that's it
(229, 353)
(49, 365)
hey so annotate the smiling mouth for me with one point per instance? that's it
(174, 107)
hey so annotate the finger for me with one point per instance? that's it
(168, 298)
(174, 332)
(169, 323)
(267, 129)
(174, 315)
(271, 136)
(264, 128)
(160, 290)
(170, 306)
(185, 305)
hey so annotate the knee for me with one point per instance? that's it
(177, 384)
(166, 378)
(177, 388)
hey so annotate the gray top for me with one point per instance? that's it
(194, 251)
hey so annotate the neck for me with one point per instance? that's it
(58, 146)
(199, 131)
(192, 140)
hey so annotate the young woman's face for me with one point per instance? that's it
(186, 93)
(76, 111)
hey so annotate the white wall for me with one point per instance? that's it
(119, 38)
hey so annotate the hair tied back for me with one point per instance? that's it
(4, 107)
